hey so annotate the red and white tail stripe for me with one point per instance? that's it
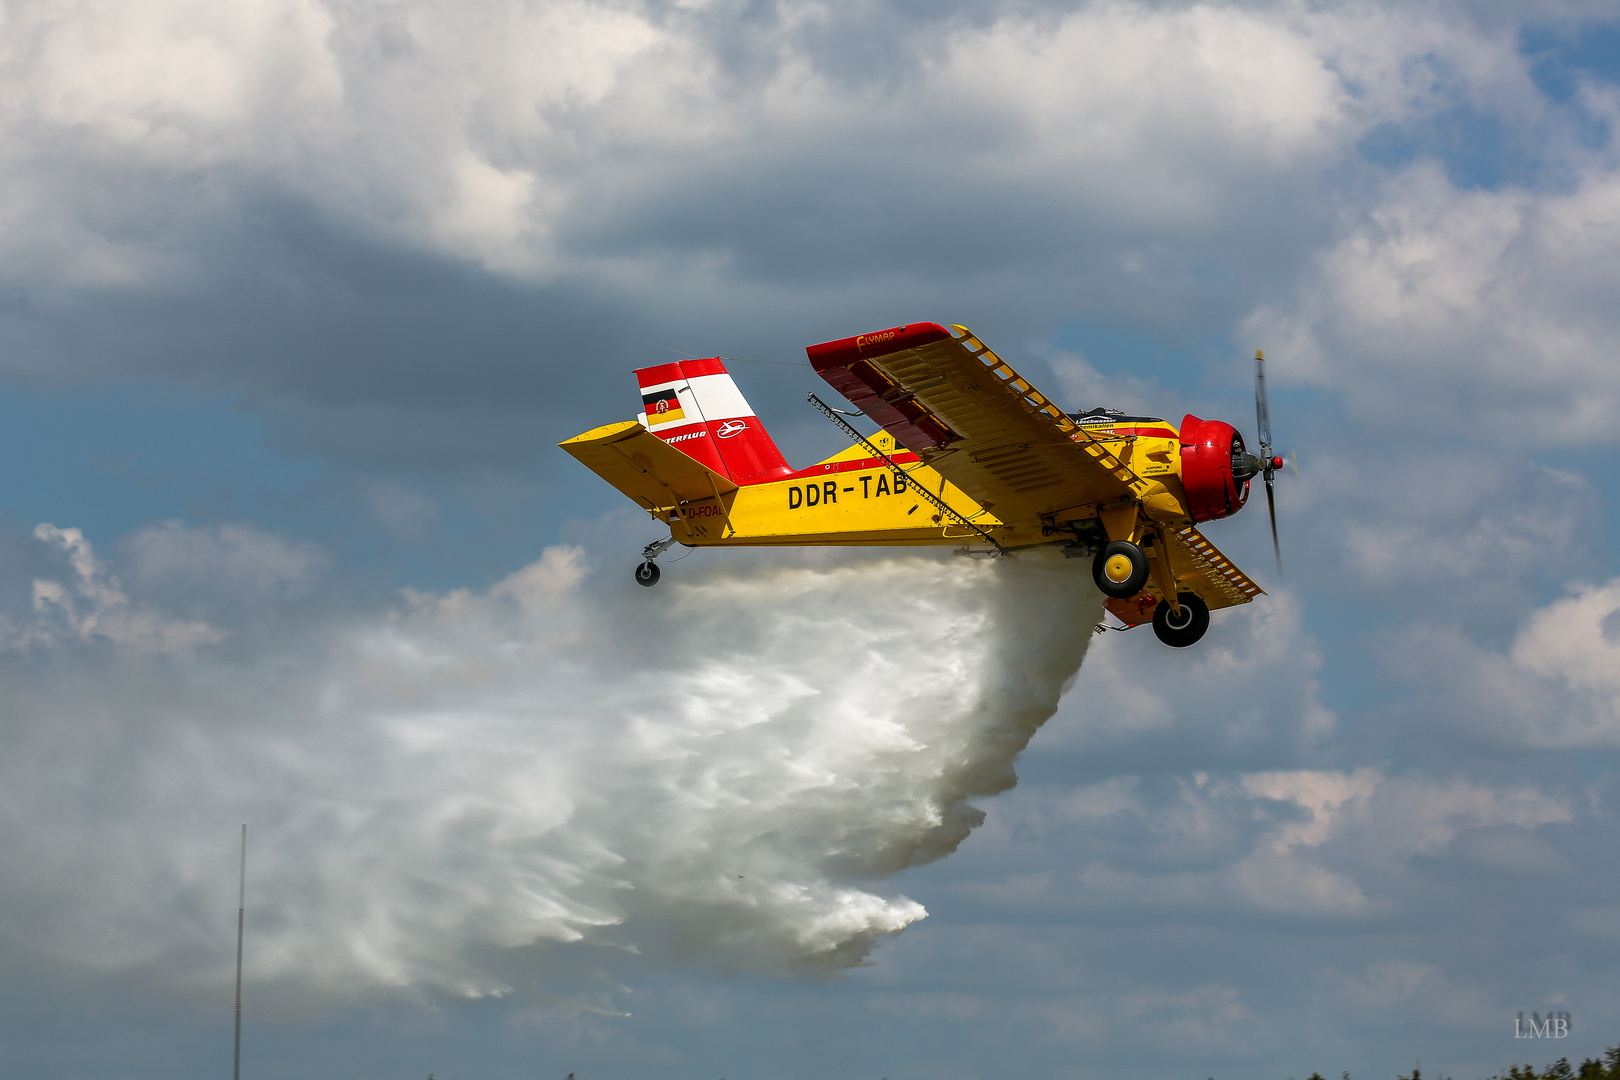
(695, 407)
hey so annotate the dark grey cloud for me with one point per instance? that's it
(394, 205)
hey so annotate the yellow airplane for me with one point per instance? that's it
(969, 454)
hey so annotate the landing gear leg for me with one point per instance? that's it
(648, 573)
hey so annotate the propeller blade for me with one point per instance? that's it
(1262, 421)
(1271, 504)
(1262, 412)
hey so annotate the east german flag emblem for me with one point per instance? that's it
(662, 406)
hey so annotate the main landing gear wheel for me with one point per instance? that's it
(1120, 569)
(647, 573)
(1180, 632)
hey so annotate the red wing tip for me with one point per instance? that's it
(844, 351)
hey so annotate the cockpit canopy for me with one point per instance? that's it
(1100, 415)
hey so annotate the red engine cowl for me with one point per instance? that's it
(1207, 447)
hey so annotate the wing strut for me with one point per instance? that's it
(939, 504)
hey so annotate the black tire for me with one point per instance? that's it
(1194, 621)
(648, 574)
(1114, 586)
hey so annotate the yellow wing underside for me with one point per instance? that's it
(1015, 453)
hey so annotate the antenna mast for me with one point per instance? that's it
(241, 906)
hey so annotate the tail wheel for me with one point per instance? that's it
(1120, 569)
(648, 574)
(1179, 632)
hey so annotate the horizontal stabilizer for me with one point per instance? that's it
(645, 467)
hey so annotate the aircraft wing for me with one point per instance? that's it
(645, 467)
(1199, 565)
(965, 412)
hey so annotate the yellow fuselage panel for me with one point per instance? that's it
(850, 499)
(1147, 457)
(833, 504)
(854, 499)
(1155, 458)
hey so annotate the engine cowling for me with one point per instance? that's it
(1208, 448)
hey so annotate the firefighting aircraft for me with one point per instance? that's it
(969, 454)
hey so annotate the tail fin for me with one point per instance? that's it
(695, 407)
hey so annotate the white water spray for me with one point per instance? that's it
(725, 767)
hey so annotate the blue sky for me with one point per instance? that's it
(299, 297)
